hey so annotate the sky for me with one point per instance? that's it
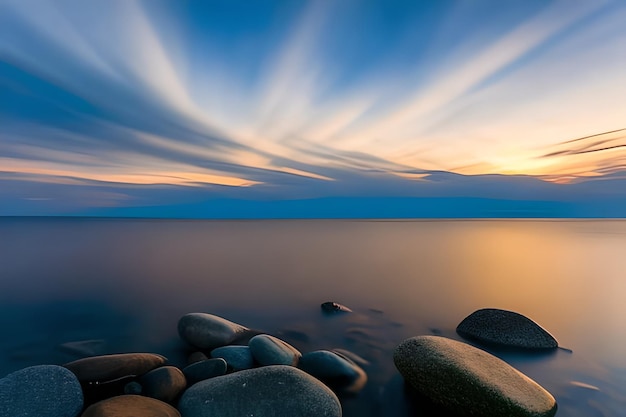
(338, 108)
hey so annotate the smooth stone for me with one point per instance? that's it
(468, 380)
(333, 307)
(133, 388)
(270, 391)
(164, 383)
(237, 357)
(202, 370)
(84, 348)
(110, 367)
(131, 406)
(206, 331)
(505, 328)
(41, 391)
(269, 350)
(352, 356)
(334, 370)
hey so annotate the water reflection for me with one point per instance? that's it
(126, 283)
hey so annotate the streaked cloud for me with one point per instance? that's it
(316, 95)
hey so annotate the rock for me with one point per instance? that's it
(269, 350)
(133, 388)
(237, 357)
(202, 370)
(84, 348)
(333, 307)
(276, 390)
(206, 331)
(111, 367)
(335, 370)
(42, 391)
(352, 356)
(505, 328)
(164, 383)
(467, 380)
(131, 405)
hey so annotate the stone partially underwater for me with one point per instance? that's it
(504, 328)
(470, 381)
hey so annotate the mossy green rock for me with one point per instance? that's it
(470, 381)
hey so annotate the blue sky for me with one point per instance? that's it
(203, 108)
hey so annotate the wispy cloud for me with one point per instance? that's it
(109, 91)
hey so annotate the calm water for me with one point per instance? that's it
(125, 283)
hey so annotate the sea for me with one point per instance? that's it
(75, 286)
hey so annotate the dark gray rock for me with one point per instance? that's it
(133, 388)
(352, 356)
(468, 380)
(130, 405)
(334, 370)
(269, 350)
(112, 367)
(237, 357)
(206, 331)
(164, 383)
(41, 391)
(202, 370)
(270, 391)
(333, 307)
(505, 328)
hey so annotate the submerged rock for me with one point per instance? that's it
(206, 331)
(333, 307)
(270, 391)
(505, 328)
(164, 383)
(202, 370)
(269, 350)
(334, 370)
(112, 367)
(130, 405)
(42, 391)
(470, 381)
(237, 357)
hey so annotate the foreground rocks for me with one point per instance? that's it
(256, 374)
(131, 405)
(263, 392)
(468, 380)
(98, 369)
(41, 391)
(206, 331)
(335, 370)
(505, 328)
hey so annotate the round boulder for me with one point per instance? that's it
(237, 357)
(112, 367)
(496, 327)
(269, 391)
(164, 383)
(42, 391)
(334, 370)
(130, 405)
(206, 331)
(468, 380)
(210, 368)
(269, 350)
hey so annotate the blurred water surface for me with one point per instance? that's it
(122, 285)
